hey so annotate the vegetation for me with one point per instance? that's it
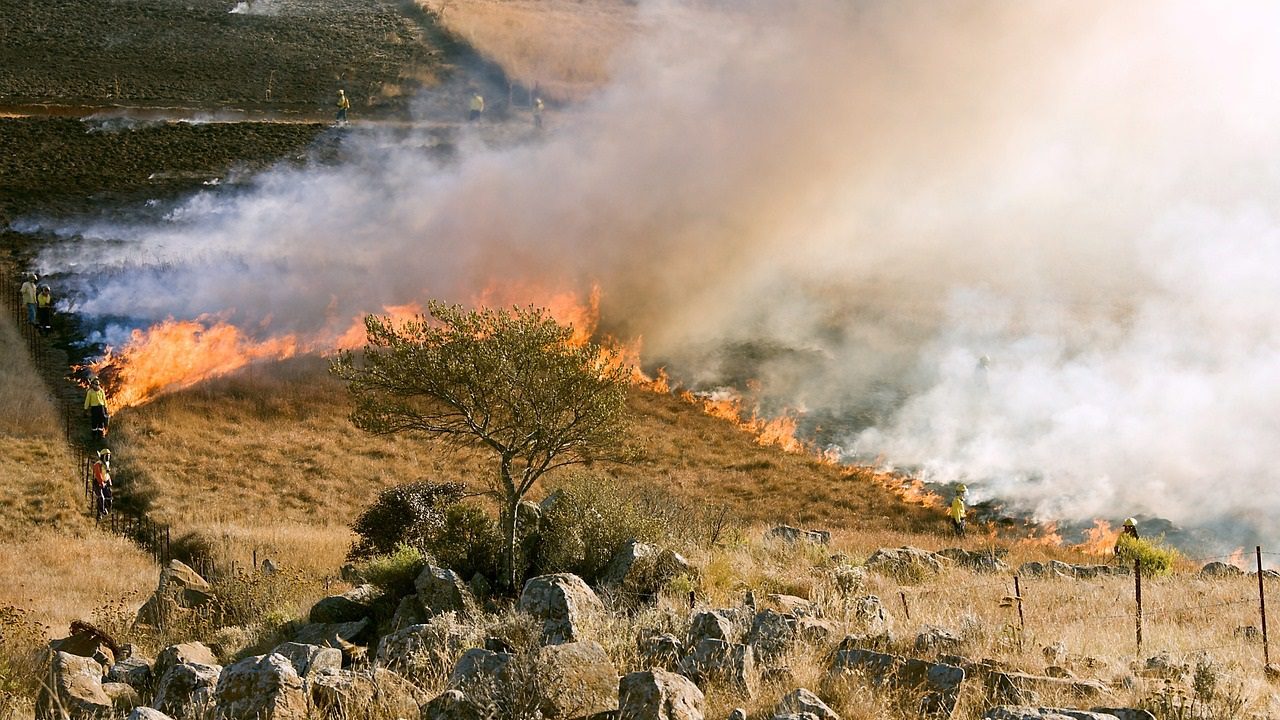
(512, 382)
(410, 514)
(1153, 556)
(395, 572)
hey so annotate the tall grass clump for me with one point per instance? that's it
(1155, 559)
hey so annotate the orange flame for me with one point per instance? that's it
(1237, 557)
(1043, 536)
(1099, 539)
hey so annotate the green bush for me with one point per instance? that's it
(1153, 556)
(408, 514)
(395, 572)
(468, 542)
(588, 519)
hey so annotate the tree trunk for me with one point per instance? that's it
(513, 511)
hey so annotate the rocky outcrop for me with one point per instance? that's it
(440, 590)
(903, 562)
(426, 648)
(658, 695)
(187, 690)
(180, 590)
(1017, 688)
(345, 694)
(940, 682)
(578, 680)
(181, 654)
(710, 624)
(637, 571)
(135, 671)
(716, 660)
(72, 688)
(477, 664)
(794, 535)
(1221, 569)
(261, 687)
(936, 639)
(563, 603)
(355, 604)
(801, 701)
(1012, 712)
(308, 660)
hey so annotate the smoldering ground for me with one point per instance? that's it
(852, 203)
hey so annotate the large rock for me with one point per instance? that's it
(453, 704)
(939, 681)
(658, 695)
(562, 602)
(711, 624)
(479, 664)
(936, 639)
(123, 696)
(88, 641)
(638, 571)
(355, 604)
(802, 701)
(578, 680)
(1017, 688)
(771, 635)
(1221, 569)
(181, 654)
(661, 651)
(903, 562)
(72, 689)
(870, 618)
(346, 694)
(429, 648)
(146, 713)
(440, 590)
(794, 535)
(1125, 713)
(716, 660)
(308, 660)
(187, 690)
(408, 612)
(261, 687)
(983, 561)
(1023, 712)
(134, 670)
(348, 637)
(180, 588)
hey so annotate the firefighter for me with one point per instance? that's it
(477, 107)
(537, 112)
(95, 401)
(28, 291)
(957, 511)
(44, 308)
(1130, 529)
(343, 106)
(102, 482)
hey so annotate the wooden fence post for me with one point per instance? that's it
(1017, 594)
(905, 609)
(1137, 596)
(1262, 608)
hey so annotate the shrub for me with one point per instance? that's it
(395, 572)
(587, 520)
(468, 542)
(1153, 556)
(408, 514)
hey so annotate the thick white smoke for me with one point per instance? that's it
(852, 203)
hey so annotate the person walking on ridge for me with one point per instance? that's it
(957, 510)
(1129, 530)
(95, 401)
(477, 107)
(28, 291)
(343, 106)
(44, 309)
(102, 482)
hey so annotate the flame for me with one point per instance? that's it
(1043, 536)
(1099, 539)
(1237, 557)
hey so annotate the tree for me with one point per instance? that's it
(512, 381)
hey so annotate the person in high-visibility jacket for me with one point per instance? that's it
(102, 482)
(95, 401)
(1130, 529)
(957, 510)
(44, 308)
(477, 107)
(538, 107)
(343, 106)
(28, 291)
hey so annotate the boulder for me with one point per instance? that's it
(562, 602)
(308, 660)
(146, 713)
(476, 664)
(349, 573)
(1036, 570)
(187, 690)
(346, 694)
(355, 604)
(710, 624)
(72, 689)
(124, 697)
(936, 639)
(440, 590)
(408, 612)
(577, 680)
(181, 654)
(428, 648)
(658, 695)
(848, 579)
(261, 687)
(1023, 712)
(983, 561)
(771, 635)
(1221, 569)
(815, 631)
(453, 705)
(802, 701)
(1164, 666)
(726, 662)
(903, 562)
(88, 641)
(791, 605)
(1125, 713)
(180, 588)
(1055, 653)
(638, 571)
(349, 637)
(738, 714)
(662, 651)
(939, 681)
(133, 670)
(870, 617)
(795, 535)
(1021, 688)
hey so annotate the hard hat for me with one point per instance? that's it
(1130, 522)
(962, 488)
(95, 382)
(341, 91)
(104, 453)
(44, 287)
(32, 277)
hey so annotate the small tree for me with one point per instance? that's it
(512, 381)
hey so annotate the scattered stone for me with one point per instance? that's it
(903, 562)
(182, 654)
(661, 651)
(801, 701)
(347, 637)
(72, 688)
(440, 590)
(134, 670)
(347, 607)
(1090, 572)
(346, 694)
(1057, 671)
(123, 696)
(848, 579)
(870, 617)
(1248, 632)
(771, 635)
(983, 561)
(815, 631)
(719, 660)
(1022, 712)
(146, 713)
(1165, 667)
(578, 679)
(426, 648)
(1055, 653)
(478, 663)
(1221, 569)
(794, 535)
(936, 639)
(1017, 688)
(1125, 713)
(658, 695)
(261, 687)
(308, 660)
(187, 690)
(452, 705)
(791, 605)
(562, 602)
(710, 624)
(1035, 569)
(940, 682)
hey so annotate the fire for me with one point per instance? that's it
(1043, 536)
(1099, 539)
(1237, 557)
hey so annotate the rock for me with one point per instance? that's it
(146, 713)
(663, 651)
(378, 693)
(802, 701)
(88, 641)
(350, 574)
(983, 561)
(1248, 632)
(710, 624)
(1022, 712)
(181, 654)
(870, 617)
(658, 695)
(408, 612)
(134, 671)
(1057, 671)
(771, 635)
(352, 605)
(1055, 653)
(936, 639)
(180, 588)
(453, 705)
(1089, 572)
(562, 602)
(347, 637)
(791, 605)
(72, 688)
(940, 682)
(269, 566)
(1035, 569)
(477, 663)
(577, 679)
(1221, 569)
(1125, 713)
(308, 660)
(638, 571)
(815, 631)
(726, 662)
(440, 590)
(427, 648)
(498, 645)
(793, 535)
(903, 562)
(187, 689)
(1020, 688)
(261, 687)
(737, 714)
(123, 696)
(1165, 667)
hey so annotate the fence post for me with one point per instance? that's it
(1017, 594)
(905, 609)
(1262, 608)
(1137, 596)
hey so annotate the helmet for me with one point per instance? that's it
(1130, 522)
(44, 287)
(961, 489)
(104, 453)
(32, 277)
(94, 382)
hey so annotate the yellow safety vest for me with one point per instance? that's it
(957, 509)
(95, 398)
(44, 299)
(477, 103)
(343, 102)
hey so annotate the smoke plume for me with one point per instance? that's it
(1033, 246)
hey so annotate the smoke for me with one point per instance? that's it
(853, 204)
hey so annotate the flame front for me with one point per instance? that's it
(1099, 539)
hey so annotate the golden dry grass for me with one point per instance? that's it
(564, 47)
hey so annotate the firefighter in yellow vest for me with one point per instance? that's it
(538, 107)
(957, 510)
(343, 106)
(44, 308)
(1130, 529)
(95, 401)
(477, 107)
(102, 482)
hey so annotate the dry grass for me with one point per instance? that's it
(564, 47)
